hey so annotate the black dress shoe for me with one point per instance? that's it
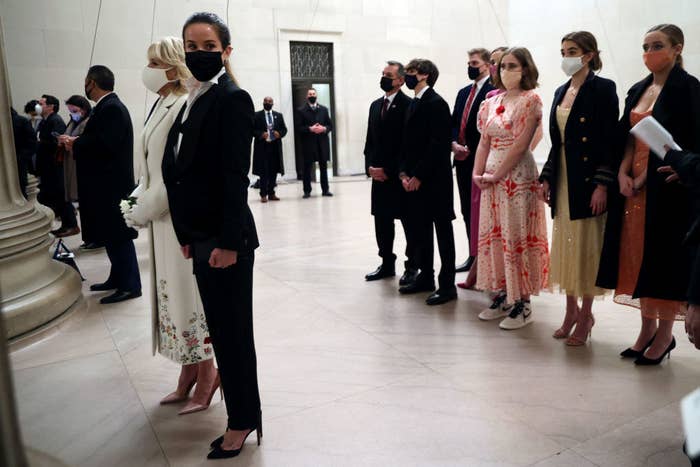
(629, 352)
(643, 360)
(465, 266)
(306, 195)
(328, 193)
(409, 275)
(419, 285)
(102, 287)
(380, 273)
(218, 452)
(120, 296)
(441, 296)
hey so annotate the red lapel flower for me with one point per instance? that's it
(500, 109)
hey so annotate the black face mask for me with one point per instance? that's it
(87, 92)
(312, 100)
(473, 72)
(386, 84)
(267, 106)
(411, 81)
(203, 65)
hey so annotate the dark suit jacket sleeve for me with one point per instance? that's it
(369, 144)
(281, 126)
(106, 132)
(238, 115)
(300, 122)
(608, 111)
(439, 141)
(27, 144)
(259, 125)
(457, 114)
(328, 124)
(687, 166)
(546, 174)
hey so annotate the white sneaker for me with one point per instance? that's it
(497, 310)
(520, 316)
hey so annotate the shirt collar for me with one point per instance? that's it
(421, 92)
(481, 82)
(100, 99)
(391, 98)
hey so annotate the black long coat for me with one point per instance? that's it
(666, 262)
(268, 154)
(426, 153)
(590, 154)
(687, 166)
(25, 146)
(315, 147)
(207, 183)
(383, 149)
(104, 160)
(48, 167)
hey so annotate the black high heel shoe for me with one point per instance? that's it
(219, 453)
(217, 442)
(629, 352)
(646, 361)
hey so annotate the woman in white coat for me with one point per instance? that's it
(179, 327)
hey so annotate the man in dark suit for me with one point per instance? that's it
(382, 153)
(48, 167)
(268, 130)
(313, 123)
(465, 136)
(104, 158)
(25, 145)
(426, 175)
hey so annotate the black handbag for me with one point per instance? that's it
(63, 254)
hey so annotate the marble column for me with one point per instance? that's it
(34, 288)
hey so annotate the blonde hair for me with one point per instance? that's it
(171, 51)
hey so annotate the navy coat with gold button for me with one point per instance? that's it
(590, 144)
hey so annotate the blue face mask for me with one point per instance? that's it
(75, 116)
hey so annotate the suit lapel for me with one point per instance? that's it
(156, 117)
(193, 126)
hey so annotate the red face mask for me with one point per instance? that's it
(657, 60)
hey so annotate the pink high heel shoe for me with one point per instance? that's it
(193, 407)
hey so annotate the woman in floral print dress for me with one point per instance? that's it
(513, 258)
(179, 327)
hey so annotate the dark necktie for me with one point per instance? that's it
(461, 138)
(385, 106)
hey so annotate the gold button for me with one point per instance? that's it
(585, 159)
(584, 139)
(582, 119)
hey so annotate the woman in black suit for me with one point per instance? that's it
(205, 170)
(644, 258)
(576, 178)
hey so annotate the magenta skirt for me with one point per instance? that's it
(474, 220)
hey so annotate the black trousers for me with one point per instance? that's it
(423, 228)
(464, 185)
(124, 273)
(385, 233)
(268, 181)
(227, 297)
(308, 167)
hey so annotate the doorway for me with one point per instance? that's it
(312, 67)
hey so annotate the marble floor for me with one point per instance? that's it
(352, 373)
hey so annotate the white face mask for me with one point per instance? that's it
(571, 65)
(75, 116)
(154, 78)
(38, 109)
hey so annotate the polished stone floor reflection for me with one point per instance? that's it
(351, 373)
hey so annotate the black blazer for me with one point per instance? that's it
(207, 183)
(315, 147)
(268, 153)
(665, 265)
(471, 133)
(426, 152)
(48, 144)
(104, 162)
(383, 149)
(590, 148)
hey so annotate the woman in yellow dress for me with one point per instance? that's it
(576, 178)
